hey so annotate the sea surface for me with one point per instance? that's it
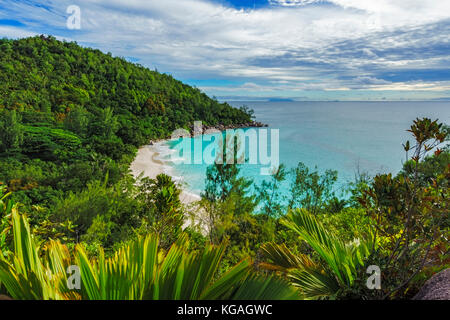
(349, 137)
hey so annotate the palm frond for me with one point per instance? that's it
(139, 270)
(26, 277)
(283, 259)
(339, 261)
(313, 283)
(256, 287)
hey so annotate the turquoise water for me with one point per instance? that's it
(342, 136)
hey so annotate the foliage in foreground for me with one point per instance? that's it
(407, 219)
(137, 271)
(410, 212)
(338, 265)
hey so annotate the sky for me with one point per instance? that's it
(259, 49)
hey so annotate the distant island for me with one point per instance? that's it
(280, 100)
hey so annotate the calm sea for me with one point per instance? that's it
(343, 136)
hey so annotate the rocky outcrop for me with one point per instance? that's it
(436, 288)
(221, 127)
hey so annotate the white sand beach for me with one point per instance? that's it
(150, 165)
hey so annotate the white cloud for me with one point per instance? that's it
(15, 33)
(292, 3)
(297, 48)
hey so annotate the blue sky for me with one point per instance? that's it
(236, 49)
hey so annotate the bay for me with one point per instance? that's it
(349, 137)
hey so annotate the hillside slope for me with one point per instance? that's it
(52, 78)
(70, 114)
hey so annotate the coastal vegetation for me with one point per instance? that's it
(71, 120)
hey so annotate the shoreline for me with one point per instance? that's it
(148, 163)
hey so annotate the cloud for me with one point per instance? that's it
(292, 3)
(367, 80)
(290, 46)
(14, 32)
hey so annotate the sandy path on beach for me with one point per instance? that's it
(147, 162)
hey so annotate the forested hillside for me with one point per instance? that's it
(69, 114)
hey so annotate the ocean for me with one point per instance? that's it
(349, 137)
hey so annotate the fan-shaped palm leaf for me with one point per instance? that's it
(139, 270)
(340, 260)
(26, 276)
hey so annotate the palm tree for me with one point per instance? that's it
(139, 270)
(338, 265)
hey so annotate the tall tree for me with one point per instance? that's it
(311, 190)
(226, 195)
(269, 193)
(163, 210)
(11, 129)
